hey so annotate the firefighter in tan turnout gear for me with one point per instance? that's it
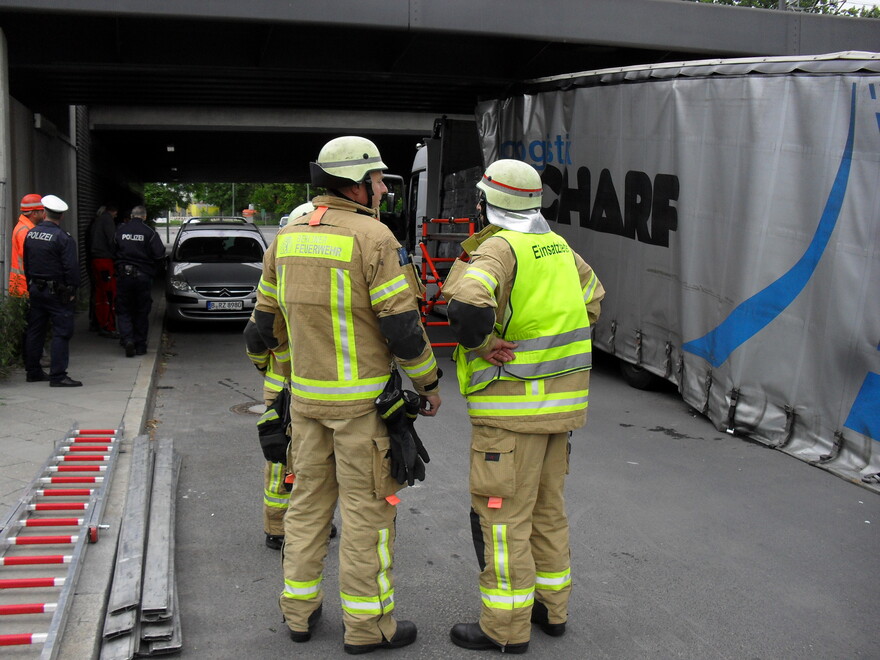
(347, 292)
(522, 309)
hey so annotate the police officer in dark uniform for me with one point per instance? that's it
(52, 271)
(138, 248)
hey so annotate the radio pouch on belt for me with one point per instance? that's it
(408, 455)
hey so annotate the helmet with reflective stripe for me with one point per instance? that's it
(32, 202)
(345, 161)
(512, 185)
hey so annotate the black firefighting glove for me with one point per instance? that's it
(272, 429)
(412, 403)
(406, 464)
(273, 440)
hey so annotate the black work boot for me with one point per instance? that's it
(274, 541)
(300, 637)
(67, 381)
(540, 616)
(471, 636)
(405, 635)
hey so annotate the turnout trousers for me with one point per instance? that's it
(46, 306)
(520, 528)
(344, 460)
(276, 495)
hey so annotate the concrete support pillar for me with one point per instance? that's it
(7, 217)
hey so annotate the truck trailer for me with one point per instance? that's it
(731, 209)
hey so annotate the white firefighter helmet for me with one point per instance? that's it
(303, 209)
(345, 161)
(512, 185)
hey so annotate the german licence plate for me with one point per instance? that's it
(225, 304)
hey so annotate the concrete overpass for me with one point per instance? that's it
(94, 93)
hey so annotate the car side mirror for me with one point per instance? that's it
(390, 198)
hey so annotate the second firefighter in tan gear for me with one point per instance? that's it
(522, 309)
(348, 295)
(275, 366)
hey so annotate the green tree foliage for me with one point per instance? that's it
(280, 198)
(270, 199)
(159, 198)
(831, 7)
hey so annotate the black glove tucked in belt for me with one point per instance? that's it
(272, 429)
(408, 454)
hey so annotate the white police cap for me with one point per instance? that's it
(53, 203)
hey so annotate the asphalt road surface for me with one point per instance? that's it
(686, 542)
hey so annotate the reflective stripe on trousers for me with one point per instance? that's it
(504, 597)
(275, 495)
(302, 590)
(384, 602)
(553, 581)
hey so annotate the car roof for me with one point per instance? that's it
(233, 219)
(222, 224)
(220, 229)
(208, 226)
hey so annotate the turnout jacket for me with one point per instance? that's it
(485, 286)
(273, 363)
(348, 294)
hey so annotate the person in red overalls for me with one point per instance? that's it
(101, 237)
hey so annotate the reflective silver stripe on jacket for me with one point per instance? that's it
(528, 405)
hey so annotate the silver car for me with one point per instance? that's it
(213, 271)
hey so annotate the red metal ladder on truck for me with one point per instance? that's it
(75, 478)
(432, 264)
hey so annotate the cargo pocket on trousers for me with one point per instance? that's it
(383, 483)
(492, 468)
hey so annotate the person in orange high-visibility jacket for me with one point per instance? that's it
(32, 213)
(348, 294)
(522, 310)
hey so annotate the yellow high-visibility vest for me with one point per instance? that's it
(546, 317)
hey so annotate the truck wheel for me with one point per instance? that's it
(637, 377)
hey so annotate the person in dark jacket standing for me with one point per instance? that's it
(51, 268)
(137, 250)
(101, 235)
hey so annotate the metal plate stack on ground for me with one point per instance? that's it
(143, 615)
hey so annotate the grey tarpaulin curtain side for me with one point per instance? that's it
(732, 211)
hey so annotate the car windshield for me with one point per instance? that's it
(216, 249)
